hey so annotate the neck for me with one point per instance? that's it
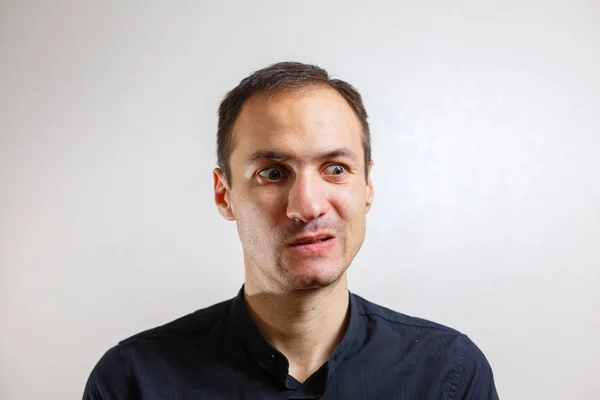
(304, 325)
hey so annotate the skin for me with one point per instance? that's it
(297, 169)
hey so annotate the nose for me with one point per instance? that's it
(307, 199)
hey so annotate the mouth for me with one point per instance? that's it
(311, 240)
(313, 247)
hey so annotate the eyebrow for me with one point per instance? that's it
(262, 155)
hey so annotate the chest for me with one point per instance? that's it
(351, 380)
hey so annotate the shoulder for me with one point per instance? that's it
(401, 334)
(192, 324)
(395, 321)
(468, 373)
(418, 330)
(149, 349)
(197, 330)
(473, 377)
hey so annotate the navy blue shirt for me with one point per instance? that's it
(218, 353)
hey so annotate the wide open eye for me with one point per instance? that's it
(335, 169)
(273, 173)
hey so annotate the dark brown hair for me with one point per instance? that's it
(277, 78)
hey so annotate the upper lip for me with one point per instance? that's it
(311, 238)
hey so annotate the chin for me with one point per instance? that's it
(305, 284)
(315, 279)
(300, 273)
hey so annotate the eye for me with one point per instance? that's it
(335, 169)
(272, 173)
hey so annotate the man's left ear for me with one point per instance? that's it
(370, 189)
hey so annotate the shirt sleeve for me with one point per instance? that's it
(473, 375)
(110, 379)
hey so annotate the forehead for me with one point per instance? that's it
(299, 123)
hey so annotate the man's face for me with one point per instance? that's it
(298, 191)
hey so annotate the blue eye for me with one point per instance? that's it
(335, 169)
(272, 173)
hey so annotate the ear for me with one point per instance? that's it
(223, 195)
(370, 189)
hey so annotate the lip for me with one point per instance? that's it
(315, 247)
(311, 239)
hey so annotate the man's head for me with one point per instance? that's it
(294, 161)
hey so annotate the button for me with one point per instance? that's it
(270, 358)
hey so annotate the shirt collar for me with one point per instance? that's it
(272, 360)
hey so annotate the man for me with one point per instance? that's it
(294, 160)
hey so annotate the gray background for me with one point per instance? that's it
(485, 139)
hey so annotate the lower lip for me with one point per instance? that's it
(314, 248)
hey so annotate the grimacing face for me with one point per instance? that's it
(299, 193)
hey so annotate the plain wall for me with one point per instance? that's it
(486, 137)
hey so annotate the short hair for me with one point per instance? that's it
(278, 78)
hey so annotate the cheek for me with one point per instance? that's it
(260, 213)
(350, 206)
